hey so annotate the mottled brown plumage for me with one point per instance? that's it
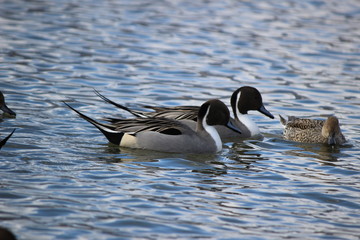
(313, 131)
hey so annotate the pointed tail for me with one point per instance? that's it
(283, 120)
(109, 132)
(2, 143)
(135, 113)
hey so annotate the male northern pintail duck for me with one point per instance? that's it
(4, 108)
(169, 135)
(242, 100)
(313, 131)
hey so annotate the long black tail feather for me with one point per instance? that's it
(2, 143)
(136, 114)
(112, 135)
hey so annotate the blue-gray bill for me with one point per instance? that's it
(231, 126)
(332, 140)
(264, 111)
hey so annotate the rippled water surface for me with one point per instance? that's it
(60, 179)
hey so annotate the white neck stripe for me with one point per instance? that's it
(237, 104)
(246, 120)
(213, 132)
(249, 124)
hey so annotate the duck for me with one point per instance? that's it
(6, 234)
(169, 135)
(7, 111)
(243, 100)
(313, 131)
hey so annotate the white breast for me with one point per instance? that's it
(250, 124)
(213, 133)
(246, 120)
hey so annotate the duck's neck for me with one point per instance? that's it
(249, 123)
(215, 135)
(244, 118)
(211, 131)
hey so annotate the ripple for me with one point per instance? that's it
(60, 178)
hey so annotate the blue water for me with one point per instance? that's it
(60, 179)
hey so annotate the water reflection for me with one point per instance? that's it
(323, 152)
(320, 152)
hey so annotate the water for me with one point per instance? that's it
(60, 179)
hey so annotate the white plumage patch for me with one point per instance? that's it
(128, 141)
(249, 123)
(246, 120)
(213, 132)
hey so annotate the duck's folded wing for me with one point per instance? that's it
(178, 113)
(134, 126)
(304, 123)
